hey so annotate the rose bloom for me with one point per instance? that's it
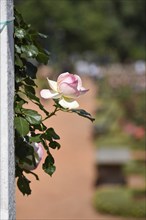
(66, 89)
(38, 154)
(137, 131)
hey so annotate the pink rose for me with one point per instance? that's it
(66, 89)
(38, 154)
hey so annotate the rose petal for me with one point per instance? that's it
(48, 94)
(38, 151)
(69, 90)
(52, 84)
(83, 91)
(66, 77)
(79, 82)
(68, 103)
(62, 76)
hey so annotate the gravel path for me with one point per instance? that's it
(68, 194)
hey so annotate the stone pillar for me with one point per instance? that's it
(7, 164)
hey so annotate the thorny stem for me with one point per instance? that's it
(57, 108)
(52, 113)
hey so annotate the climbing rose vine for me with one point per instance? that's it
(32, 137)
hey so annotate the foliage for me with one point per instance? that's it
(120, 112)
(29, 124)
(135, 167)
(114, 28)
(120, 122)
(107, 129)
(120, 201)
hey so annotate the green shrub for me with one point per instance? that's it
(114, 139)
(119, 201)
(134, 167)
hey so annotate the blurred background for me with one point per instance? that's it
(101, 166)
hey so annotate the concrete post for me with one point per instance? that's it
(7, 164)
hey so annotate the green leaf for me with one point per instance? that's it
(17, 48)
(31, 70)
(51, 134)
(29, 51)
(19, 79)
(83, 113)
(35, 138)
(48, 165)
(22, 148)
(42, 58)
(37, 101)
(40, 127)
(21, 125)
(54, 144)
(50, 158)
(20, 33)
(23, 185)
(19, 19)
(32, 116)
(45, 145)
(29, 89)
(18, 98)
(49, 169)
(29, 81)
(42, 35)
(27, 160)
(43, 55)
(18, 106)
(18, 61)
(31, 96)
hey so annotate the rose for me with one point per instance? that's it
(66, 89)
(38, 154)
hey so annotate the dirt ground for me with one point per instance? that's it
(68, 194)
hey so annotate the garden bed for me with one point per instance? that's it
(121, 201)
